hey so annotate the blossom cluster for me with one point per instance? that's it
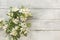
(17, 24)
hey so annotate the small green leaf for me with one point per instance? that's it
(28, 24)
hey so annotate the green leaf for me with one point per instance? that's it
(14, 38)
(8, 31)
(25, 34)
(28, 24)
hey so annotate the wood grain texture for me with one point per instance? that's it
(45, 21)
(47, 35)
(35, 3)
(3, 3)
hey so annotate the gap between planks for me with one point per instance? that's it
(35, 8)
(44, 30)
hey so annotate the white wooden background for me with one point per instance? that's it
(46, 18)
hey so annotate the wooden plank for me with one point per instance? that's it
(39, 14)
(45, 25)
(2, 35)
(3, 13)
(35, 3)
(3, 4)
(47, 35)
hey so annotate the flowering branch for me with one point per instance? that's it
(17, 25)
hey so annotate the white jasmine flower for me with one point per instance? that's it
(27, 14)
(13, 29)
(15, 21)
(24, 10)
(10, 14)
(23, 25)
(16, 27)
(17, 17)
(14, 33)
(25, 32)
(14, 9)
(22, 29)
(4, 27)
(21, 10)
(23, 18)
